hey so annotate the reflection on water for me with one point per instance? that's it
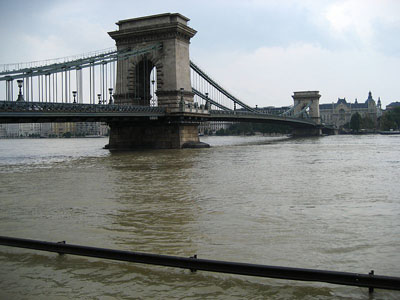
(327, 203)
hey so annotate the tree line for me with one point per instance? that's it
(389, 120)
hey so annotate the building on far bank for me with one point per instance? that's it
(3, 130)
(60, 129)
(211, 127)
(339, 113)
(392, 105)
(21, 130)
(90, 128)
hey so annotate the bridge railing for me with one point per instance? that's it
(6, 106)
(248, 113)
(246, 116)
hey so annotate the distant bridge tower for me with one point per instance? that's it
(172, 83)
(303, 100)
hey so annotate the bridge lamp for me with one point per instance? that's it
(153, 100)
(182, 89)
(74, 94)
(182, 102)
(20, 96)
(99, 97)
(110, 90)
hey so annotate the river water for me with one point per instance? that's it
(326, 203)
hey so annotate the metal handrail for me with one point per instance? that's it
(260, 117)
(14, 106)
(193, 263)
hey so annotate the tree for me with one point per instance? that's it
(387, 122)
(220, 132)
(355, 122)
(67, 134)
(390, 119)
(367, 122)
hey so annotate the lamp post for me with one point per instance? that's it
(20, 96)
(99, 97)
(153, 100)
(110, 90)
(182, 102)
(74, 94)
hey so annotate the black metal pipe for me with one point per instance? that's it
(342, 278)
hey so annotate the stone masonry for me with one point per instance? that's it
(301, 100)
(174, 91)
(172, 61)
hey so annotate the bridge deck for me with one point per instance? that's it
(235, 116)
(31, 112)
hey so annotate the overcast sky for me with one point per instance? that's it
(260, 50)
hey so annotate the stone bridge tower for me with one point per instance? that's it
(311, 99)
(171, 34)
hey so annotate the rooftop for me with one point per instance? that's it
(166, 18)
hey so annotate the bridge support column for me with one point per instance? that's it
(171, 66)
(154, 135)
(306, 131)
(171, 60)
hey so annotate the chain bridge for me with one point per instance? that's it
(146, 89)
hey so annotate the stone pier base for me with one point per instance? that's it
(306, 132)
(125, 136)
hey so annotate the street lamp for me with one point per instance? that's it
(110, 91)
(182, 103)
(74, 94)
(20, 96)
(153, 100)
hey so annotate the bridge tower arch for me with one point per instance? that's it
(309, 101)
(142, 83)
